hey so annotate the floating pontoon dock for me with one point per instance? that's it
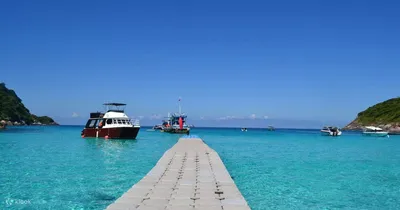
(190, 175)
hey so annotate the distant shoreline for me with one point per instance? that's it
(248, 128)
(25, 125)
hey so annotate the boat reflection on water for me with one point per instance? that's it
(115, 143)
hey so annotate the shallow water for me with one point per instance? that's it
(53, 168)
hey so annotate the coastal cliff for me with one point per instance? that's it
(14, 112)
(385, 115)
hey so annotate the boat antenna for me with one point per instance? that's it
(179, 102)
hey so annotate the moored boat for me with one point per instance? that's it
(113, 124)
(176, 123)
(158, 127)
(374, 131)
(331, 131)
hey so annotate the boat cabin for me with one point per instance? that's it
(174, 120)
(108, 122)
(372, 129)
(330, 128)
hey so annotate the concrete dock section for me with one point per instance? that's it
(190, 175)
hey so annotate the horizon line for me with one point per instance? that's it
(210, 127)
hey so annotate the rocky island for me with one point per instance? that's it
(385, 115)
(14, 112)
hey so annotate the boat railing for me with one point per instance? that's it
(136, 122)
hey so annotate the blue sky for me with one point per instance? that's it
(306, 63)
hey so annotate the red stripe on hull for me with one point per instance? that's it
(112, 133)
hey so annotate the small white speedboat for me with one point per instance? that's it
(330, 131)
(374, 131)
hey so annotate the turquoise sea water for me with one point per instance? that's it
(54, 168)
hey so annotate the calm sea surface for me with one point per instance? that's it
(54, 168)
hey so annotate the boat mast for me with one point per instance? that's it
(179, 102)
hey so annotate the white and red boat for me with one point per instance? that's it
(113, 124)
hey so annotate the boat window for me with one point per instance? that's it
(100, 121)
(119, 121)
(114, 121)
(109, 121)
(91, 123)
(123, 121)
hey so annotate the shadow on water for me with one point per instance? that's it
(111, 151)
(102, 196)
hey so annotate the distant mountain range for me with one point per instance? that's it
(385, 115)
(14, 112)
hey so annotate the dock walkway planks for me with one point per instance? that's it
(190, 175)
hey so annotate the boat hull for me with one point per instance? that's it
(112, 133)
(177, 131)
(377, 134)
(327, 133)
